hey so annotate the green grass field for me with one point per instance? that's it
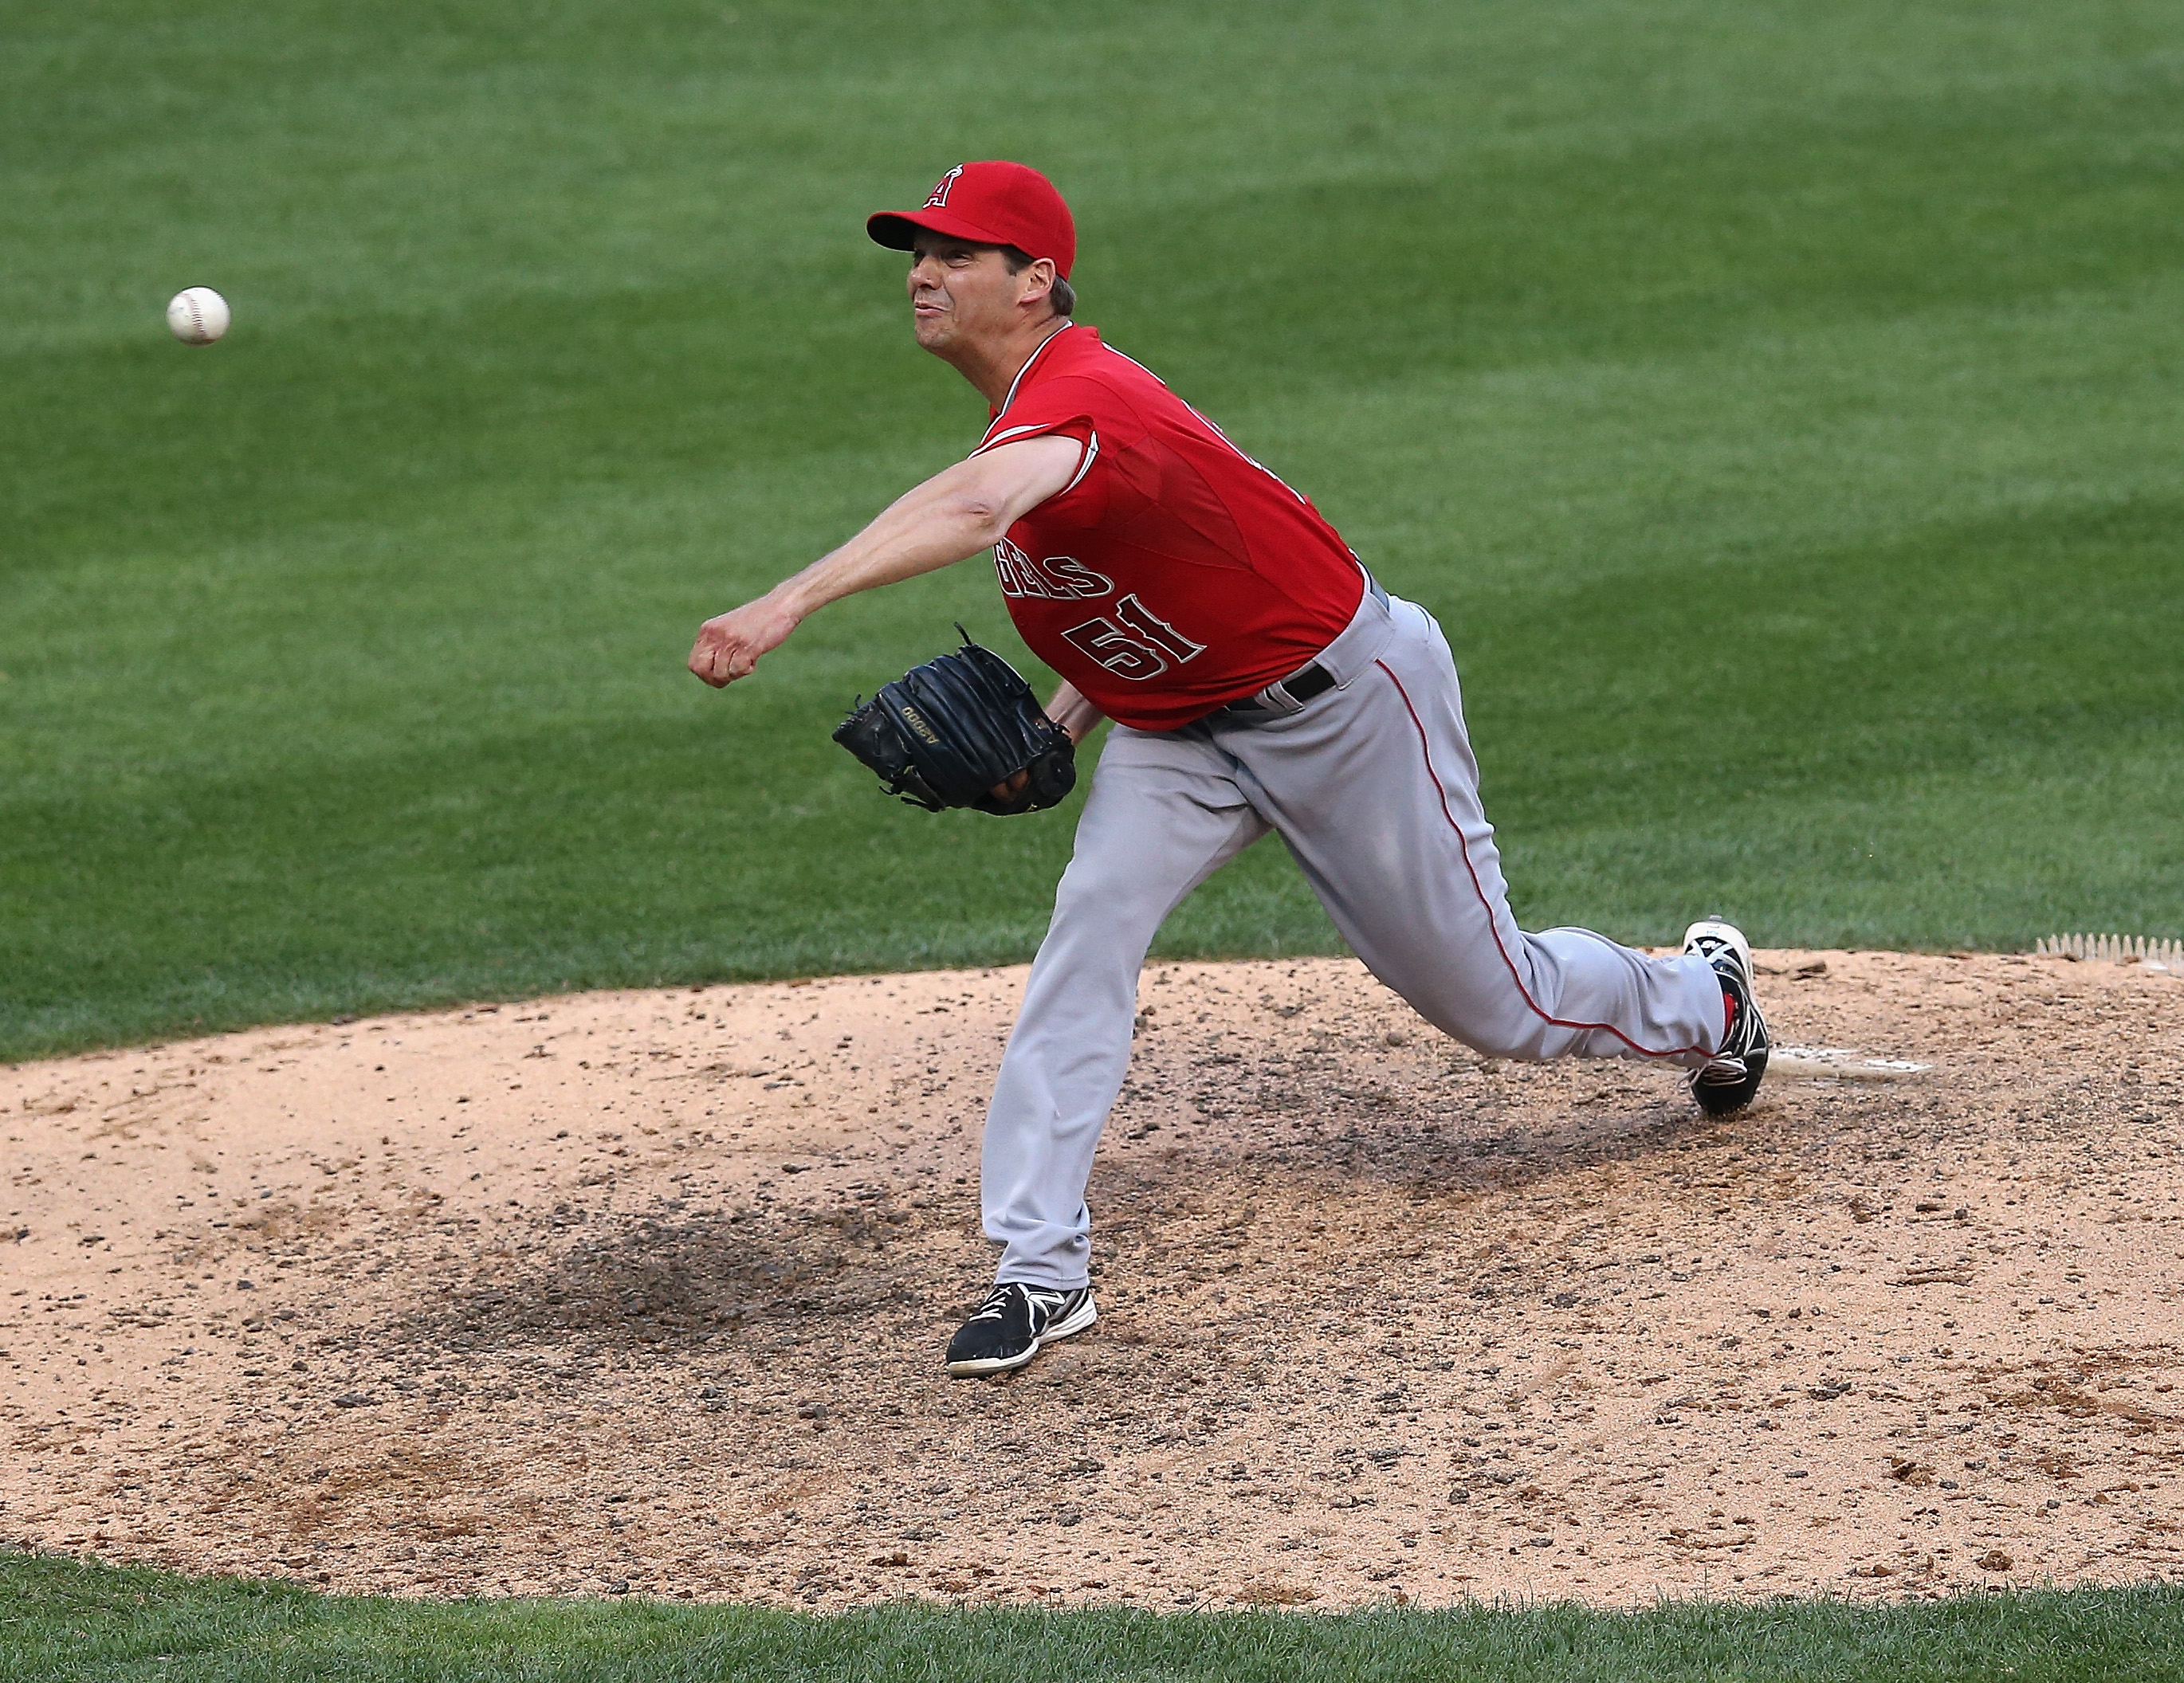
(1776, 403)
(61, 1622)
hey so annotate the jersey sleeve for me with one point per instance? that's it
(1073, 407)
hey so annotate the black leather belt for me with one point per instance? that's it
(1314, 680)
(1302, 685)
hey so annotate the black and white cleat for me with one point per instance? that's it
(1014, 1323)
(1731, 1079)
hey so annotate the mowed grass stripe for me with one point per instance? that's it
(1663, 247)
(1901, 776)
(112, 123)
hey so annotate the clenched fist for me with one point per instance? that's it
(729, 645)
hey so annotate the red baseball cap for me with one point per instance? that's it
(990, 203)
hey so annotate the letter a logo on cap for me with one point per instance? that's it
(939, 198)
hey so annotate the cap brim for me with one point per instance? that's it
(897, 230)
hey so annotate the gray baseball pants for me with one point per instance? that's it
(1373, 786)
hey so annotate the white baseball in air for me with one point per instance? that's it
(197, 314)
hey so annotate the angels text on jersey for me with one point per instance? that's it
(1142, 645)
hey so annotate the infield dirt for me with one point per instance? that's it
(645, 1293)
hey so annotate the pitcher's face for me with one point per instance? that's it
(961, 294)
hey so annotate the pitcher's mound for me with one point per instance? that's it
(648, 1292)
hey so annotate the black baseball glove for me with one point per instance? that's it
(948, 733)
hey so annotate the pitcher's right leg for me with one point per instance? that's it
(1163, 815)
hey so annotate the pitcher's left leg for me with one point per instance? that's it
(1374, 788)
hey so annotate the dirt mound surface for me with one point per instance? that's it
(646, 1292)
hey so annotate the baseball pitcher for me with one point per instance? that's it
(1260, 680)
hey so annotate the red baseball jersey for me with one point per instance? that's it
(1173, 574)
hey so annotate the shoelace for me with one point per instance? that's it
(997, 1301)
